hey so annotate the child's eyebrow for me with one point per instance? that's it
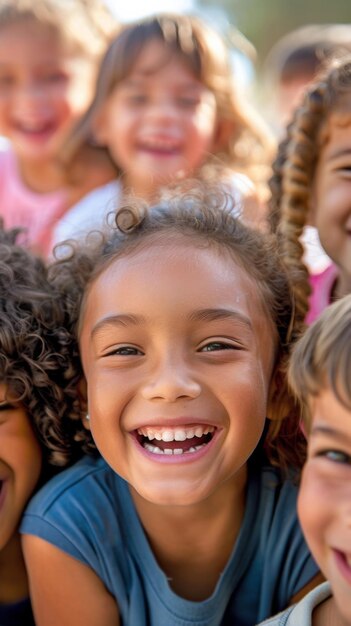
(339, 153)
(321, 429)
(124, 319)
(212, 315)
(202, 315)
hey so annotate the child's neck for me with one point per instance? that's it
(13, 576)
(327, 614)
(42, 177)
(193, 544)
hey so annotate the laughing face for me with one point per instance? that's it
(178, 354)
(325, 497)
(44, 89)
(160, 122)
(20, 466)
(331, 199)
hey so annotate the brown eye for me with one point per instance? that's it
(216, 345)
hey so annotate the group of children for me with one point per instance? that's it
(158, 360)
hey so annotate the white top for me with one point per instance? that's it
(92, 211)
(301, 613)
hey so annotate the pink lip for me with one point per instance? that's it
(37, 136)
(342, 565)
(177, 459)
(160, 152)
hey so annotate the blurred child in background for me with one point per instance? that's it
(292, 65)
(33, 365)
(49, 52)
(295, 61)
(165, 108)
(320, 377)
(311, 184)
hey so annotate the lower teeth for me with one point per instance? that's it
(170, 451)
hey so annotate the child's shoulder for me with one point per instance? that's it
(301, 613)
(89, 213)
(70, 484)
(7, 157)
(74, 509)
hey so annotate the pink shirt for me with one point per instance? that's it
(20, 206)
(322, 287)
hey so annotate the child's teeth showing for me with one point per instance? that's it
(175, 441)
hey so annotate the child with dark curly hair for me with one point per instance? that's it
(183, 318)
(33, 395)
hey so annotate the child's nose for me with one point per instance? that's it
(162, 108)
(171, 382)
(30, 91)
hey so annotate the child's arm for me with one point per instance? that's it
(65, 591)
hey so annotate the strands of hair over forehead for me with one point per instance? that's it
(87, 25)
(322, 357)
(206, 56)
(295, 166)
(204, 216)
(34, 361)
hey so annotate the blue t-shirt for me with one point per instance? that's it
(19, 614)
(87, 511)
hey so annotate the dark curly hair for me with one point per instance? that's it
(35, 359)
(207, 215)
(295, 166)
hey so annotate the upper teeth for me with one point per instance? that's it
(175, 434)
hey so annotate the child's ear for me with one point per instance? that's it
(82, 394)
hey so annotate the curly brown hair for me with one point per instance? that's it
(295, 166)
(207, 215)
(35, 360)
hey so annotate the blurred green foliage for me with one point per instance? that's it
(263, 22)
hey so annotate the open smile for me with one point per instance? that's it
(36, 131)
(176, 441)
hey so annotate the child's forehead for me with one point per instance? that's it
(329, 412)
(157, 53)
(168, 250)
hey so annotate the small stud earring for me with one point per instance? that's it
(87, 416)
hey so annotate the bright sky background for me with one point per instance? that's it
(133, 9)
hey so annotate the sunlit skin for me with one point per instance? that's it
(160, 122)
(44, 88)
(324, 503)
(154, 359)
(20, 467)
(331, 201)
